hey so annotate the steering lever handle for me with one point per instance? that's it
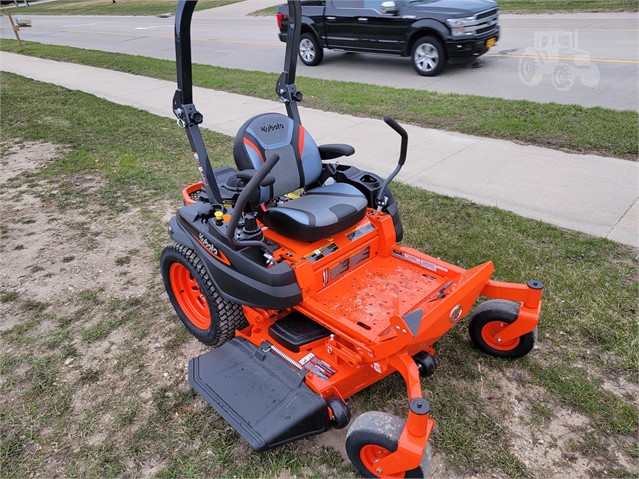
(238, 209)
(390, 121)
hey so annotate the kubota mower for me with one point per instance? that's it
(290, 267)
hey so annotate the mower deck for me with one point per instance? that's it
(382, 288)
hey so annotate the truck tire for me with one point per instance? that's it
(310, 51)
(429, 57)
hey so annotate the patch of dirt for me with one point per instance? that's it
(89, 266)
(19, 158)
(550, 447)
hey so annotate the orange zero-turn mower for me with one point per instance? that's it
(290, 267)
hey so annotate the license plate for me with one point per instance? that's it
(491, 42)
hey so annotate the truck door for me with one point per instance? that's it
(361, 25)
(340, 19)
(381, 32)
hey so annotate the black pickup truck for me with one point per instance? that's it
(431, 32)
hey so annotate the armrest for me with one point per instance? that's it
(335, 150)
(268, 180)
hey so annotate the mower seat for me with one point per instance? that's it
(322, 211)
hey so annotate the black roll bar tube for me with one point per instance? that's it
(183, 108)
(285, 87)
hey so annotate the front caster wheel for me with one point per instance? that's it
(373, 436)
(492, 317)
(209, 317)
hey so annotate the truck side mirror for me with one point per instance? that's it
(389, 7)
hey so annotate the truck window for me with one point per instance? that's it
(374, 4)
(347, 3)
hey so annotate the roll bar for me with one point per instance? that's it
(184, 109)
(285, 87)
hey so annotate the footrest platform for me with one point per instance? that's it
(261, 396)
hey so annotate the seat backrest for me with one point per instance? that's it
(261, 136)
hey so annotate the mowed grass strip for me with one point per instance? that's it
(537, 6)
(572, 128)
(108, 7)
(588, 328)
(557, 6)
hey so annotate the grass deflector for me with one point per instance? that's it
(290, 266)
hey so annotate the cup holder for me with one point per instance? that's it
(368, 179)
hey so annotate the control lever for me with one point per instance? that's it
(381, 199)
(238, 209)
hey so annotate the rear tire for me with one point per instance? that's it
(209, 317)
(310, 51)
(489, 319)
(375, 435)
(429, 57)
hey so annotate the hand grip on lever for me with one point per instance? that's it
(390, 121)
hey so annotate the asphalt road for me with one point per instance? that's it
(605, 74)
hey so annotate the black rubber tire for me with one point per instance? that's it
(504, 311)
(315, 53)
(380, 429)
(425, 363)
(226, 316)
(341, 413)
(428, 43)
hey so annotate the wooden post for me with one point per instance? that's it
(15, 27)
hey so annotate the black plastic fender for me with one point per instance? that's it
(422, 28)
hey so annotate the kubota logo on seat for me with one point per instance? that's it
(269, 128)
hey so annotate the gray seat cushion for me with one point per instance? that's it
(320, 213)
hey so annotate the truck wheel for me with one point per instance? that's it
(375, 435)
(429, 57)
(209, 317)
(310, 51)
(489, 319)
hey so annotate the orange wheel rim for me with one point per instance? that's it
(489, 334)
(189, 296)
(371, 454)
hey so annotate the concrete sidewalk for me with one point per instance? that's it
(238, 9)
(587, 193)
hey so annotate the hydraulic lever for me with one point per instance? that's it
(381, 199)
(238, 209)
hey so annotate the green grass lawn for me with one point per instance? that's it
(567, 127)
(107, 7)
(535, 6)
(538, 6)
(93, 379)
